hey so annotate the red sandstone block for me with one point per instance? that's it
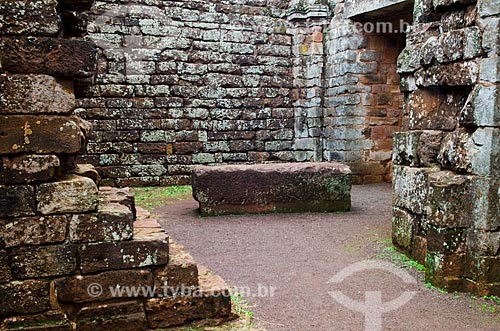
(279, 187)
(122, 255)
(24, 297)
(29, 168)
(41, 134)
(114, 316)
(43, 261)
(35, 230)
(100, 287)
(54, 57)
(17, 200)
(53, 320)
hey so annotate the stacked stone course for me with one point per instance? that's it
(446, 160)
(60, 233)
(182, 83)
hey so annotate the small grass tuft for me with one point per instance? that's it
(151, 197)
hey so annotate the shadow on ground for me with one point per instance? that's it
(296, 254)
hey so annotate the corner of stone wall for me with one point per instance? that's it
(446, 159)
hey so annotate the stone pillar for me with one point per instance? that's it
(65, 244)
(446, 174)
(308, 21)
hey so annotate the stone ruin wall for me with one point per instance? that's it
(184, 83)
(446, 172)
(60, 233)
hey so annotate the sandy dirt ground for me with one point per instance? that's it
(292, 257)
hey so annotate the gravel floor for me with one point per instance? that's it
(295, 255)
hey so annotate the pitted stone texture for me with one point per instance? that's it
(41, 134)
(54, 57)
(5, 274)
(35, 94)
(410, 188)
(482, 107)
(434, 109)
(212, 300)
(454, 74)
(53, 320)
(74, 194)
(33, 17)
(113, 222)
(43, 261)
(36, 230)
(17, 200)
(280, 187)
(116, 316)
(475, 153)
(450, 200)
(29, 168)
(402, 228)
(123, 255)
(24, 297)
(74, 289)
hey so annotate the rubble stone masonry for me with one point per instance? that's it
(64, 242)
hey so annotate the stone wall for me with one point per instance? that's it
(182, 83)
(65, 244)
(446, 159)
(363, 102)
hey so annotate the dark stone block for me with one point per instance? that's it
(280, 187)
(51, 56)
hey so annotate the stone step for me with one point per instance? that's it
(212, 301)
(276, 187)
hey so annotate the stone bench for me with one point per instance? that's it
(276, 187)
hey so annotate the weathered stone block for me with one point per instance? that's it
(113, 222)
(43, 261)
(121, 196)
(53, 320)
(115, 316)
(490, 69)
(416, 148)
(486, 201)
(34, 230)
(35, 94)
(410, 188)
(488, 7)
(446, 240)
(73, 194)
(122, 255)
(5, 274)
(41, 134)
(213, 300)
(408, 60)
(441, 266)
(482, 107)
(449, 202)
(67, 58)
(281, 187)
(433, 109)
(77, 289)
(17, 200)
(37, 17)
(491, 38)
(453, 153)
(181, 271)
(483, 243)
(25, 297)
(29, 168)
(454, 74)
(402, 228)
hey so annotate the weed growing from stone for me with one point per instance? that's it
(151, 197)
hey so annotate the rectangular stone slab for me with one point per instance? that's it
(278, 187)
